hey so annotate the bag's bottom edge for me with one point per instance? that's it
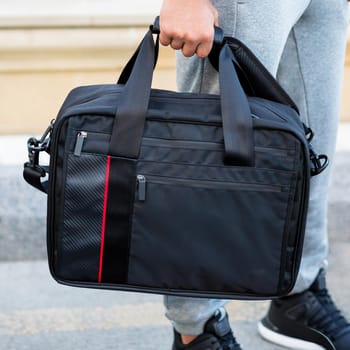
(172, 291)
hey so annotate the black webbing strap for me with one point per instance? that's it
(125, 74)
(34, 175)
(133, 105)
(236, 115)
(131, 111)
(121, 188)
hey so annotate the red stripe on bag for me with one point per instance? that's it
(104, 217)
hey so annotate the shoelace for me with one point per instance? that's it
(329, 320)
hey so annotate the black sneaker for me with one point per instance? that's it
(217, 335)
(307, 321)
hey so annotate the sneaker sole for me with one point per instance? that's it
(285, 341)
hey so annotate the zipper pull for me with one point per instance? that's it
(141, 187)
(82, 135)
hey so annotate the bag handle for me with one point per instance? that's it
(133, 104)
(155, 28)
(125, 74)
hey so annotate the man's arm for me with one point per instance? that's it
(188, 25)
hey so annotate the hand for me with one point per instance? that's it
(188, 25)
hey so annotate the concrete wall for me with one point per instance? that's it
(39, 66)
(50, 47)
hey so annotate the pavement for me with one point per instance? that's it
(37, 313)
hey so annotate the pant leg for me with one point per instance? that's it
(311, 71)
(264, 28)
(188, 315)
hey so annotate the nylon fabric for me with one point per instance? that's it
(166, 218)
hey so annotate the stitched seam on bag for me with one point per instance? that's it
(289, 214)
(61, 212)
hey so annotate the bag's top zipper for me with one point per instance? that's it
(82, 136)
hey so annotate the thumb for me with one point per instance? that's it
(216, 17)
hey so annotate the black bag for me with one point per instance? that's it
(178, 193)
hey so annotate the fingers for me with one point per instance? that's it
(164, 38)
(200, 44)
(177, 43)
(188, 47)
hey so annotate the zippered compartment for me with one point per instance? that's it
(204, 152)
(228, 175)
(142, 180)
(207, 235)
(182, 151)
(77, 144)
(206, 146)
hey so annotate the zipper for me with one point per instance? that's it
(186, 144)
(200, 145)
(82, 135)
(142, 180)
(155, 118)
(141, 187)
(207, 146)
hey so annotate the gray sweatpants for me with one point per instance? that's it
(302, 43)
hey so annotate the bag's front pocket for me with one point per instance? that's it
(210, 236)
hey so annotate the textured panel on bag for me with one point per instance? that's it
(82, 219)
